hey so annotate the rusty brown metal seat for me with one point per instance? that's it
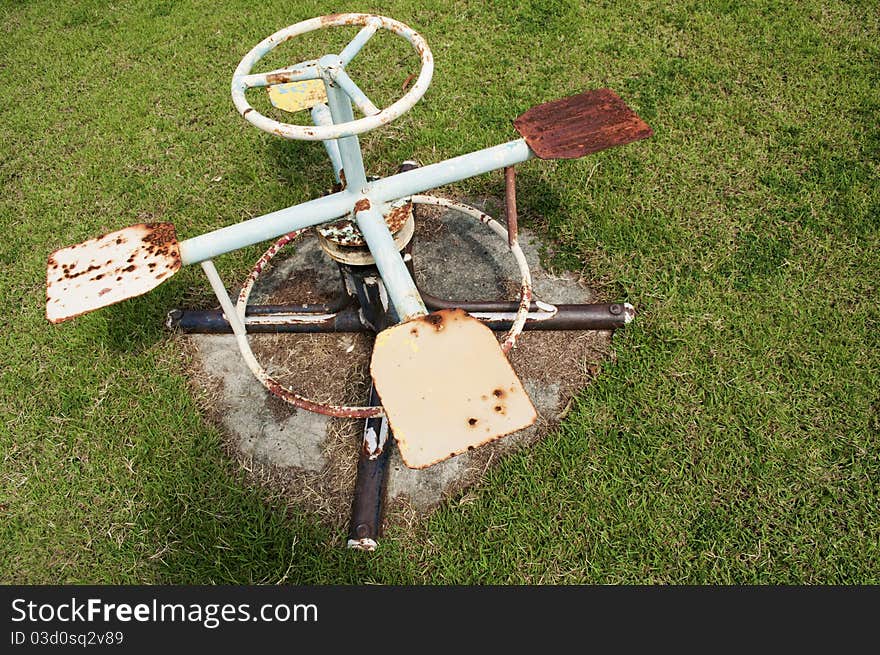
(579, 125)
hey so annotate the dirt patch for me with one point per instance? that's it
(312, 459)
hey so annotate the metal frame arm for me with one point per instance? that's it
(321, 210)
(400, 286)
(458, 168)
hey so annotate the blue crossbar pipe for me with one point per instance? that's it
(320, 210)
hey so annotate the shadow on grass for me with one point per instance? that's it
(140, 321)
(209, 524)
(301, 162)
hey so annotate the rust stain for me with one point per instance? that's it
(579, 125)
(510, 205)
(398, 217)
(346, 233)
(330, 18)
(435, 320)
(372, 453)
(278, 78)
(69, 274)
(319, 408)
(343, 233)
(161, 240)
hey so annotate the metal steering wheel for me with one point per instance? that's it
(330, 68)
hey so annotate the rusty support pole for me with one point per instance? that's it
(510, 204)
(367, 503)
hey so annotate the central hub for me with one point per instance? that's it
(345, 232)
(330, 61)
(344, 242)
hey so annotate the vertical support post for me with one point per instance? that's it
(321, 116)
(369, 489)
(349, 146)
(510, 205)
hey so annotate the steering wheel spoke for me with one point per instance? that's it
(354, 46)
(307, 70)
(358, 97)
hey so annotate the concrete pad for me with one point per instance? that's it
(312, 458)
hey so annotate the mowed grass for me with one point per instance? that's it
(735, 439)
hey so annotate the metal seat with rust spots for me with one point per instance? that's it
(580, 125)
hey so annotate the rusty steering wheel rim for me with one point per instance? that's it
(242, 79)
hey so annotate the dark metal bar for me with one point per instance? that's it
(369, 488)
(601, 316)
(372, 468)
(598, 316)
(213, 322)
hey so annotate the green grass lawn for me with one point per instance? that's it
(736, 439)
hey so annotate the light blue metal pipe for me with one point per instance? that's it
(354, 46)
(349, 146)
(398, 282)
(307, 70)
(353, 91)
(269, 226)
(321, 116)
(321, 210)
(451, 170)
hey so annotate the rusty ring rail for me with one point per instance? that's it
(273, 386)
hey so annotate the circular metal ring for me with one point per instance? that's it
(275, 387)
(294, 398)
(240, 82)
